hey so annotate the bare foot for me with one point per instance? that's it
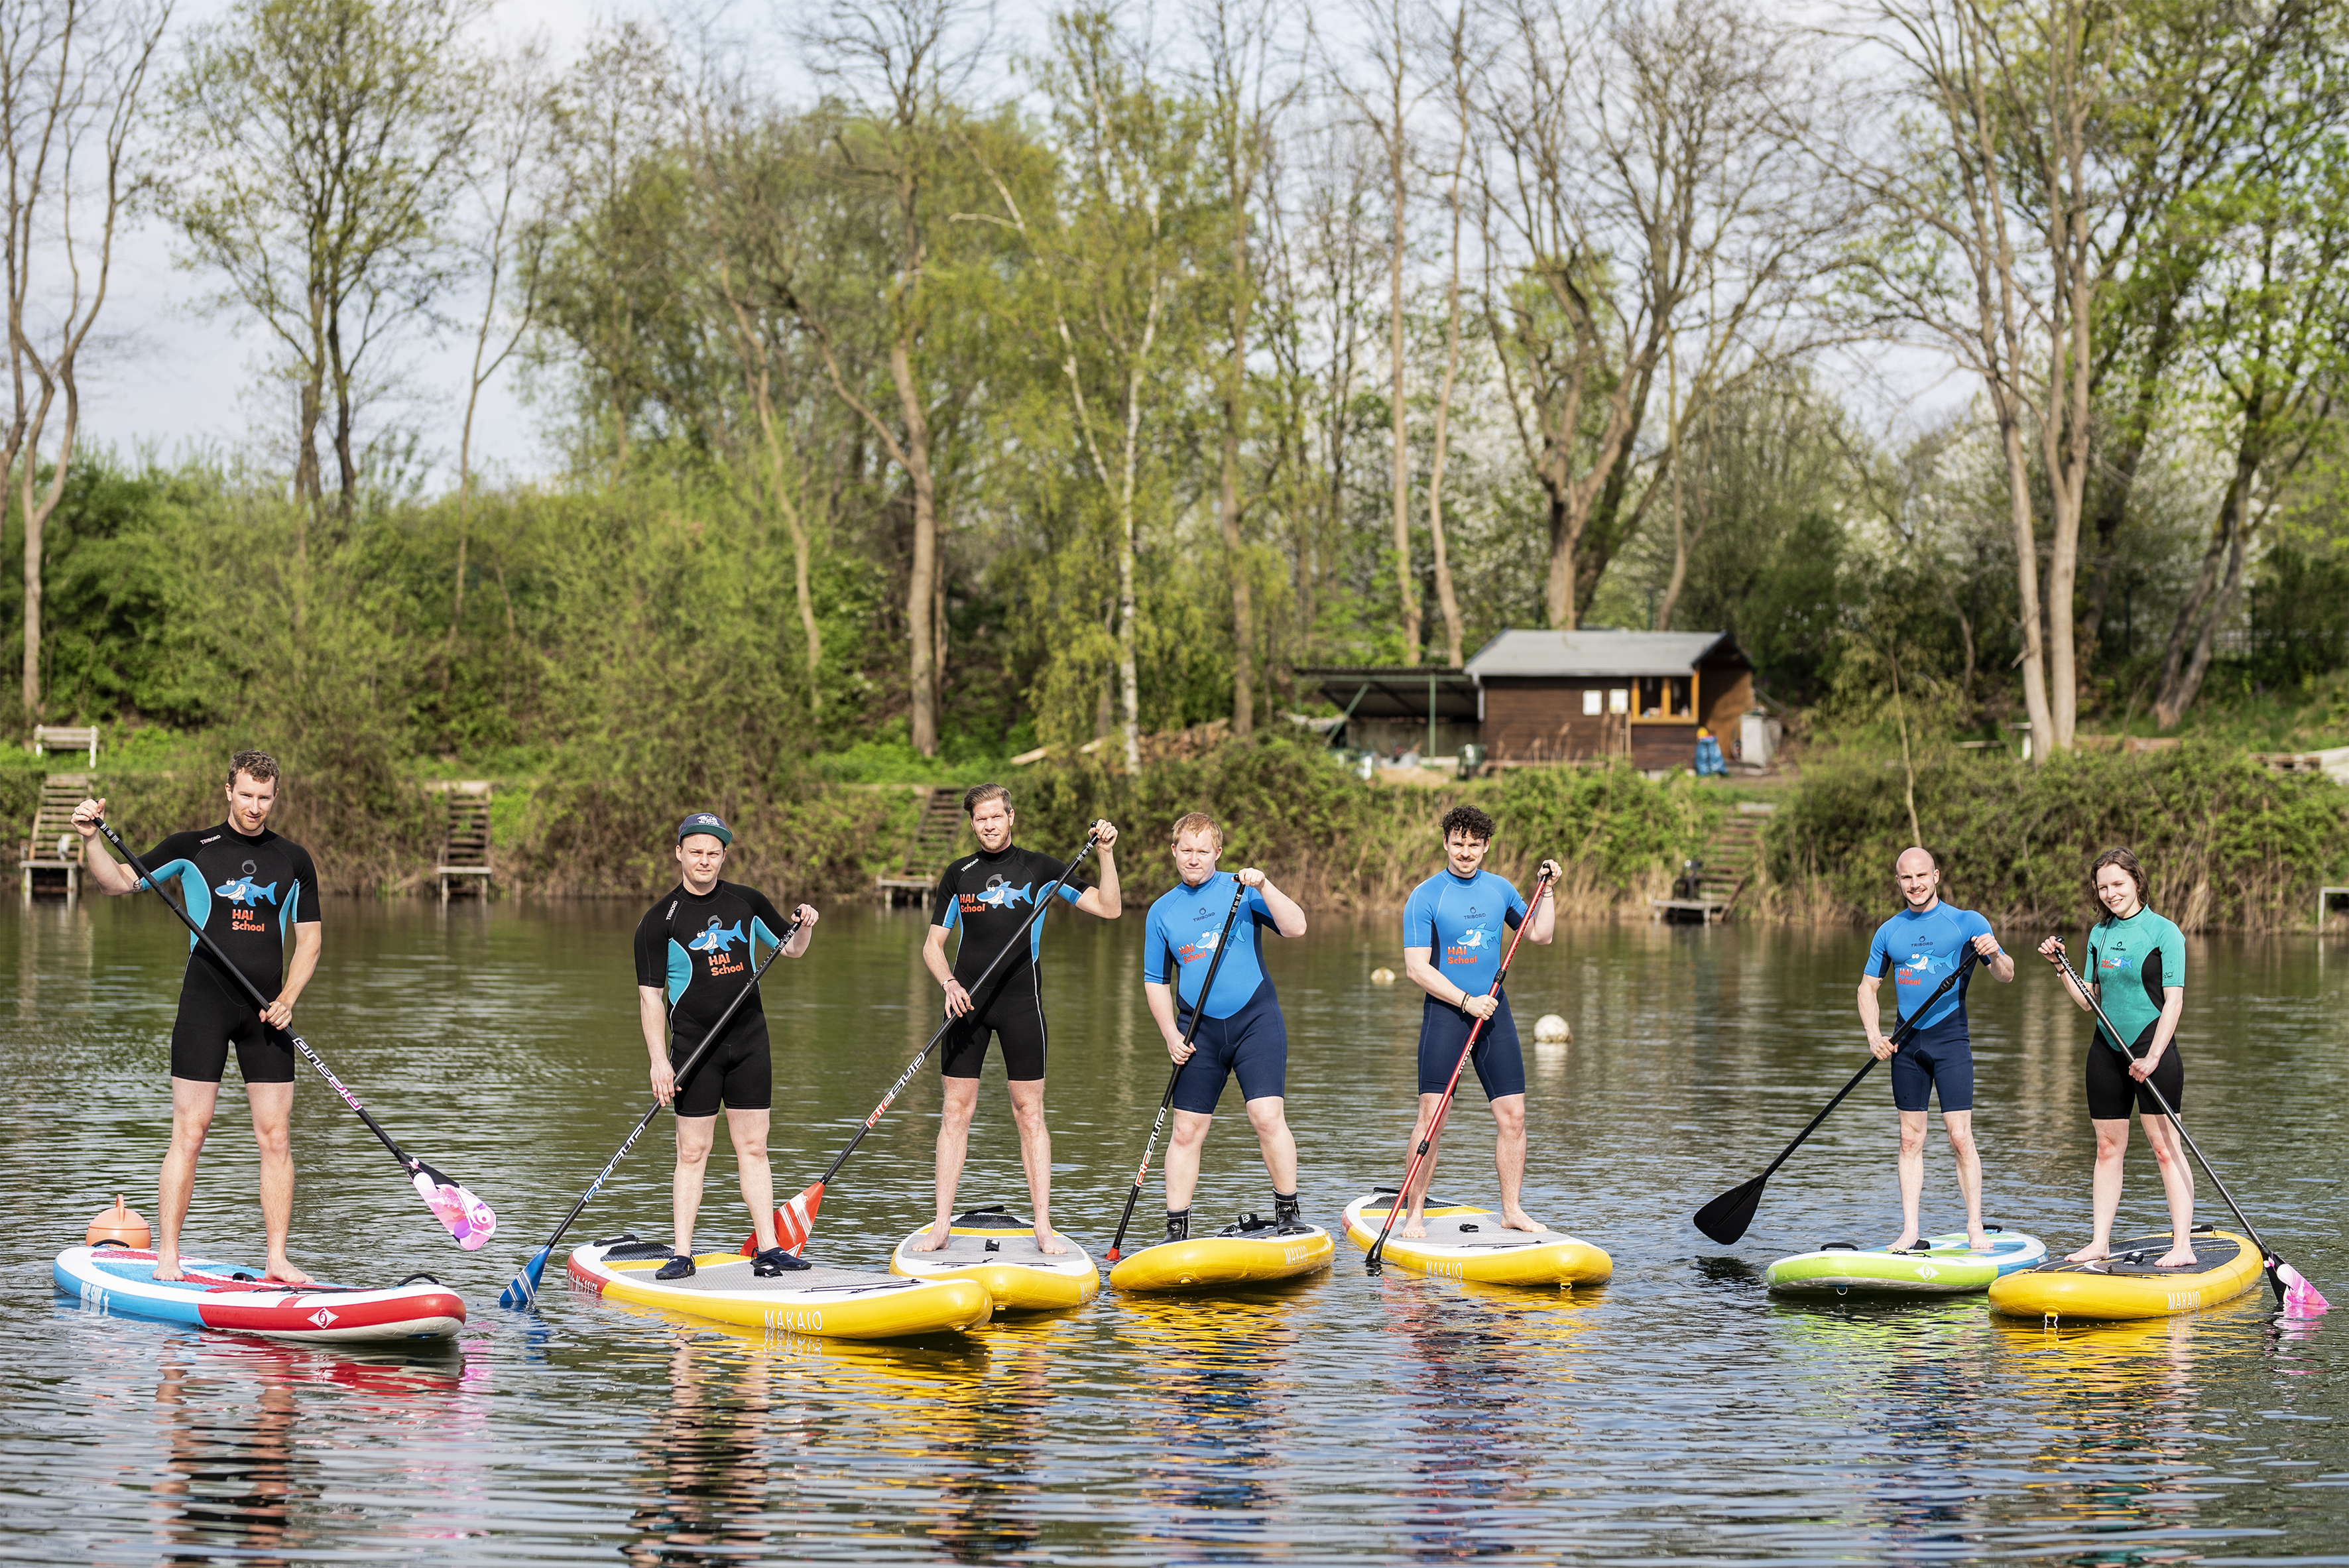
(2176, 1258)
(1518, 1220)
(283, 1272)
(1908, 1239)
(935, 1239)
(1978, 1240)
(1048, 1242)
(1414, 1228)
(2092, 1252)
(167, 1266)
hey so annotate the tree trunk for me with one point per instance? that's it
(1234, 417)
(1446, 599)
(922, 582)
(2187, 659)
(33, 531)
(2123, 455)
(1406, 589)
(2021, 515)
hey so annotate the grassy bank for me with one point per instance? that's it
(2227, 843)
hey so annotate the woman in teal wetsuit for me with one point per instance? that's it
(2137, 969)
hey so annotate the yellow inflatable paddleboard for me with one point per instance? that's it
(1467, 1243)
(1248, 1252)
(997, 1249)
(835, 1304)
(2127, 1285)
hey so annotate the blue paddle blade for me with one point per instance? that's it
(524, 1288)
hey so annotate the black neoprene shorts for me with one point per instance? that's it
(738, 1073)
(1015, 1015)
(209, 1021)
(2112, 1091)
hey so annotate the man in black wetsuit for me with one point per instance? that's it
(248, 889)
(689, 970)
(989, 895)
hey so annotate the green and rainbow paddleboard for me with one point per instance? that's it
(1942, 1265)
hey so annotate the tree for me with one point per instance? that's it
(323, 145)
(1461, 69)
(71, 75)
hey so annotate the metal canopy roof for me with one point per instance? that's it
(1603, 653)
(1394, 691)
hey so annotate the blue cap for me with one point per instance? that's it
(704, 822)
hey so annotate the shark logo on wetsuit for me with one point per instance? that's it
(245, 891)
(1001, 894)
(717, 938)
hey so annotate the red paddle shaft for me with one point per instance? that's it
(1443, 1106)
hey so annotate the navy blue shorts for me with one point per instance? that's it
(1500, 1064)
(1252, 1045)
(1938, 1059)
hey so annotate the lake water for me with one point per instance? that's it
(1677, 1414)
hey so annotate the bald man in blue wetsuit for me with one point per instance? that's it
(1240, 1031)
(1919, 947)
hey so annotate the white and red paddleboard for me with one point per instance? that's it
(121, 1281)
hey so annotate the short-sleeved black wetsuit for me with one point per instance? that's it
(988, 896)
(248, 895)
(701, 951)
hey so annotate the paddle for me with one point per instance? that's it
(465, 1216)
(1198, 1011)
(524, 1288)
(2293, 1292)
(1725, 1218)
(1370, 1264)
(795, 1219)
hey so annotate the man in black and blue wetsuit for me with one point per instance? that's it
(249, 890)
(1453, 929)
(695, 949)
(1240, 1034)
(1919, 948)
(987, 896)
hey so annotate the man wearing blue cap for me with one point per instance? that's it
(688, 973)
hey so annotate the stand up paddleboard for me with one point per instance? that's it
(1250, 1251)
(997, 1249)
(836, 1304)
(2127, 1285)
(1939, 1266)
(119, 1281)
(1467, 1243)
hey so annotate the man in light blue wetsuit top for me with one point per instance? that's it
(1241, 1033)
(1919, 948)
(1454, 930)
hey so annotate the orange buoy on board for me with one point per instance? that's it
(120, 1223)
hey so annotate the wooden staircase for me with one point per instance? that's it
(936, 825)
(1726, 864)
(50, 857)
(465, 848)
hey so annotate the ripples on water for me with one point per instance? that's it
(1677, 1414)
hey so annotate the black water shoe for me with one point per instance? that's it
(1285, 1210)
(680, 1266)
(776, 1261)
(1178, 1226)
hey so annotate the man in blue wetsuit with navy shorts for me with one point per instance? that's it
(1919, 948)
(1241, 1033)
(1454, 930)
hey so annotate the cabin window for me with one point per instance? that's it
(1591, 702)
(1666, 699)
(1618, 700)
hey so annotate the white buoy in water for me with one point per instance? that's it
(1552, 1030)
(1382, 976)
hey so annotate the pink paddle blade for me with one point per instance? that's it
(2300, 1298)
(794, 1222)
(467, 1218)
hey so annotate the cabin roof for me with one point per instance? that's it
(1605, 654)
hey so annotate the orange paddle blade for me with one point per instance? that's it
(794, 1222)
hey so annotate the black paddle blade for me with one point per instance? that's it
(1725, 1218)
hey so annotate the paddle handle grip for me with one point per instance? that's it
(1371, 1262)
(1198, 1011)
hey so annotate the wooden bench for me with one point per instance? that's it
(48, 737)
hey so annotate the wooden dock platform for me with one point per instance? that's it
(937, 825)
(465, 860)
(49, 859)
(1730, 858)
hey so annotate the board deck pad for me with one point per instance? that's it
(2134, 1258)
(1469, 1228)
(727, 1273)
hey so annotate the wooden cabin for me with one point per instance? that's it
(1531, 697)
(1573, 696)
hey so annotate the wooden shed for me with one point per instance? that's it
(1570, 697)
